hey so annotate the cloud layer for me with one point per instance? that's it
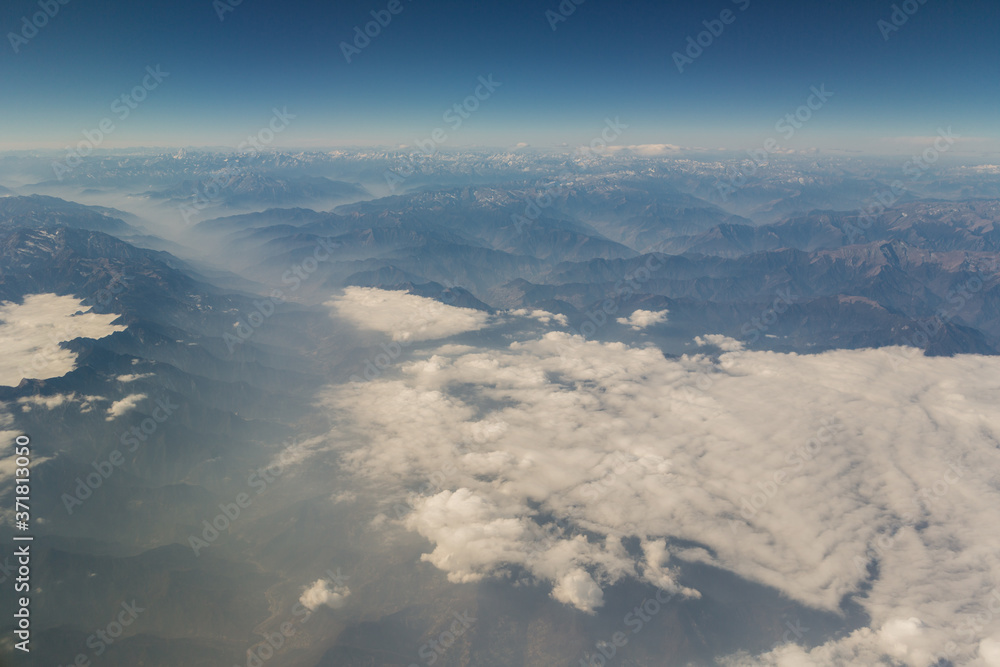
(404, 316)
(121, 407)
(33, 330)
(799, 472)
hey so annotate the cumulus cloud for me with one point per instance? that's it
(543, 316)
(794, 471)
(640, 319)
(121, 407)
(404, 316)
(724, 343)
(54, 401)
(579, 589)
(323, 592)
(33, 330)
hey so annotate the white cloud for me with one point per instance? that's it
(120, 408)
(724, 343)
(297, 452)
(56, 400)
(989, 651)
(578, 588)
(47, 402)
(404, 316)
(323, 592)
(33, 330)
(788, 468)
(649, 150)
(543, 316)
(640, 319)
(133, 377)
(900, 641)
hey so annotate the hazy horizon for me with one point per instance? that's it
(222, 67)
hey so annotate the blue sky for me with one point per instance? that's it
(607, 59)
